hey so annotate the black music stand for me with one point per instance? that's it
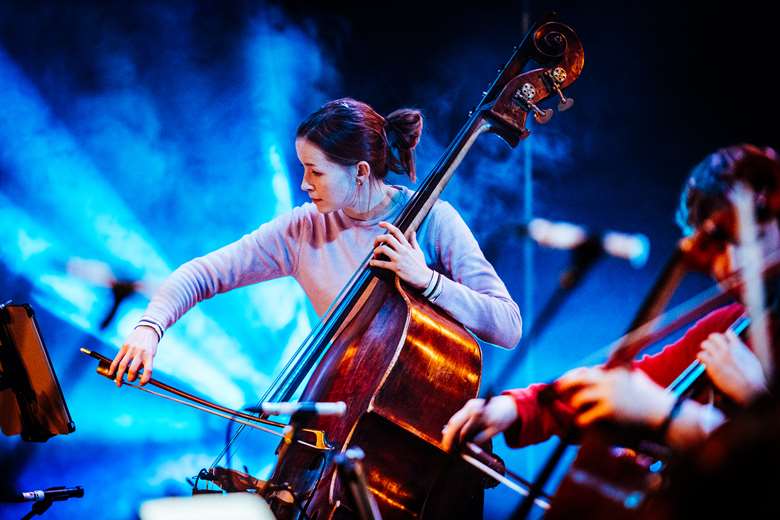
(31, 400)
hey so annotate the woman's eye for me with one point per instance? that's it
(316, 173)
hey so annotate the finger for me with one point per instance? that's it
(473, 426)
(574, 378)
(382, 263)
(733, 340)
(472, 416)
(586, 397)
(147, 375)
(388, 252)
(388, 239)
(132, 369)
(120, 371)
(454, 425)
(115, 362)
(718, 341)
(457, 420)
(395, 232)
(705, 357)
(447, 437)
(461, 416)
(487, 434)
(712, 349)
(592, 415)
(414, 243)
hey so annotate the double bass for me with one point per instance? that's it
(402, 366)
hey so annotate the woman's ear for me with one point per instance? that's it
(363, 172)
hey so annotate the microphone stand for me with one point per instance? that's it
(38, 508)
(51, 495)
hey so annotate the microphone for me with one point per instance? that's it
(302, 407)
(562, 235)
(51, 494)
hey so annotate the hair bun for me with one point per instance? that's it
(405, 126)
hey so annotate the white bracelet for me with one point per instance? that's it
(437, 290)
(431, 284)
(156, 327)
(433, 291)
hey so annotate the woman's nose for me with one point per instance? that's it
(305, 185)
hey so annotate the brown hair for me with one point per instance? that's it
(706, 190)
(350, 131)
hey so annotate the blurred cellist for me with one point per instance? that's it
(637, 395)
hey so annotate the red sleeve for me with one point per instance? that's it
(536, 422)
(666, 365)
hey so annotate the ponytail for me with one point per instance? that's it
(403, 128)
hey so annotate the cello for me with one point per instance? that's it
(402, 366)
(607, 480)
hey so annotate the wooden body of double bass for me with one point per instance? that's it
(403, 374)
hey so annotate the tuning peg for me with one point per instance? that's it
(524, 96)
(554, 79)
(542, 116)
(565, 103)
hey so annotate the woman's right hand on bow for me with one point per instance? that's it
(138, 351)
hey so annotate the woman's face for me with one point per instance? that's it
(331, 186)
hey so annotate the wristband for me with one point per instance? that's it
(674, 412)
(156, 327)
(437, 289)
(431, 284)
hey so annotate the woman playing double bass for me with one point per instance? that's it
(346, 149)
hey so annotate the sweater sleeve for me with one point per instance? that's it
(271, 251)
(537, 421)
(471, 292)
(667, 364)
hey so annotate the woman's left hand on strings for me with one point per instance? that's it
(403, 257)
